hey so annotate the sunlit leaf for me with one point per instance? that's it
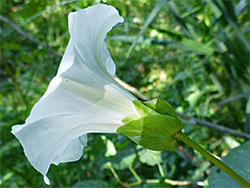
(149, 157)
(238, 160)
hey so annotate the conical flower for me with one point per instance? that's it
(82, 98)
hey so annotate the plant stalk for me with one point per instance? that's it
(184, 138)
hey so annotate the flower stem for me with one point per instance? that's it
(115, 174)
(184, 138)
(161, 170)
(137, 177)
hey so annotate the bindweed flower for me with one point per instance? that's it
(82, 98)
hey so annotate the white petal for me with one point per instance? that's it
(56, 139)
(82, 98)
(46, 180)
(88, 28)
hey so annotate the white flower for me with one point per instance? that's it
(82, 98)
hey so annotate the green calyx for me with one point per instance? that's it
(154, 126)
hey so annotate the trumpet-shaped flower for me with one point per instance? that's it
(82, 98)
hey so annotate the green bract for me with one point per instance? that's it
(154, 127)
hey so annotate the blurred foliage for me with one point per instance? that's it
(194, 54)
(240, 154)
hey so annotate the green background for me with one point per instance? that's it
(192, 53)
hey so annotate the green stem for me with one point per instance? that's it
(184, 138)
(115, 174)
(161, 170)
(137, 177)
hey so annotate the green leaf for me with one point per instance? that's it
(241, 6)
(130, 118)
(99, 150)
(110, 148)
(127, 161)
(194, 97)
(216, 11)
(196, 46)
(155, 132)
(149, 157)
(11, 145)
(161, 107)
(156, 127)
(90, 183)
(143, 110)
(124, 159)
(238, 160)
(130, 39)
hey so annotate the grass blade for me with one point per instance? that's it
(175, 11)
(34, 16)
(151, 17)
(230, 20)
